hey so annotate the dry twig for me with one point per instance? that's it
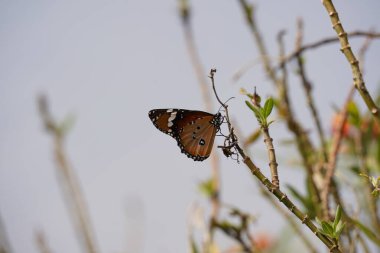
(69, 183)
(308, 89)
(330, 168)
(324, 42)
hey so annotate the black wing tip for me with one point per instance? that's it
(151, 112)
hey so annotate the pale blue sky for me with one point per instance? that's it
(109, 63)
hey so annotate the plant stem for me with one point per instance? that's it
(69, 181)
(290, 219)
(272, 157)
(333, 247)
(330, 170)
(354, 63)
(325, 41)
(250, 19)
(308, 88)
(304, 145)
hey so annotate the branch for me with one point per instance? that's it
(330, 168)
(347, 51)
(290, 219)
(272, 158)
(308, 89)
(303, 49)
(69, 183)
(249, 12)
(304, 218)
(304, 144)
(324, 42)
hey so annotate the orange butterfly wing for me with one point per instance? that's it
(196, 138)
(194, 130)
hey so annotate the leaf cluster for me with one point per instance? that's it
(262, 113)
(332, 229)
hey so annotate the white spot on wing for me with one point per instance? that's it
(172, 116)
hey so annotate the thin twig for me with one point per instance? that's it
(313, 45)
(304, 145)
(69, 183)
(362, 51)
(363, 242)
(324, 42)
(249, 12)
(330, 168)
(354, 63)
(308, 89)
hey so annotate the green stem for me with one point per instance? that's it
(304, 218)
(272, 158)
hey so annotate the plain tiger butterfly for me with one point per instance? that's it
(194, 131)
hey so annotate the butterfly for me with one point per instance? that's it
(194, 131)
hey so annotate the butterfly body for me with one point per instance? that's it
(194, 131)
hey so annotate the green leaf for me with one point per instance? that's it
(268, 106)
(354, 114)
(250, 105)
(257, 113)
(207, 188)
(339, 229)
(327, 228)
(338, 215)
(368, 232)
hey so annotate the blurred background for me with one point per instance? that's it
(106, 64)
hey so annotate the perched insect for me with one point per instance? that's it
(194, 130)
